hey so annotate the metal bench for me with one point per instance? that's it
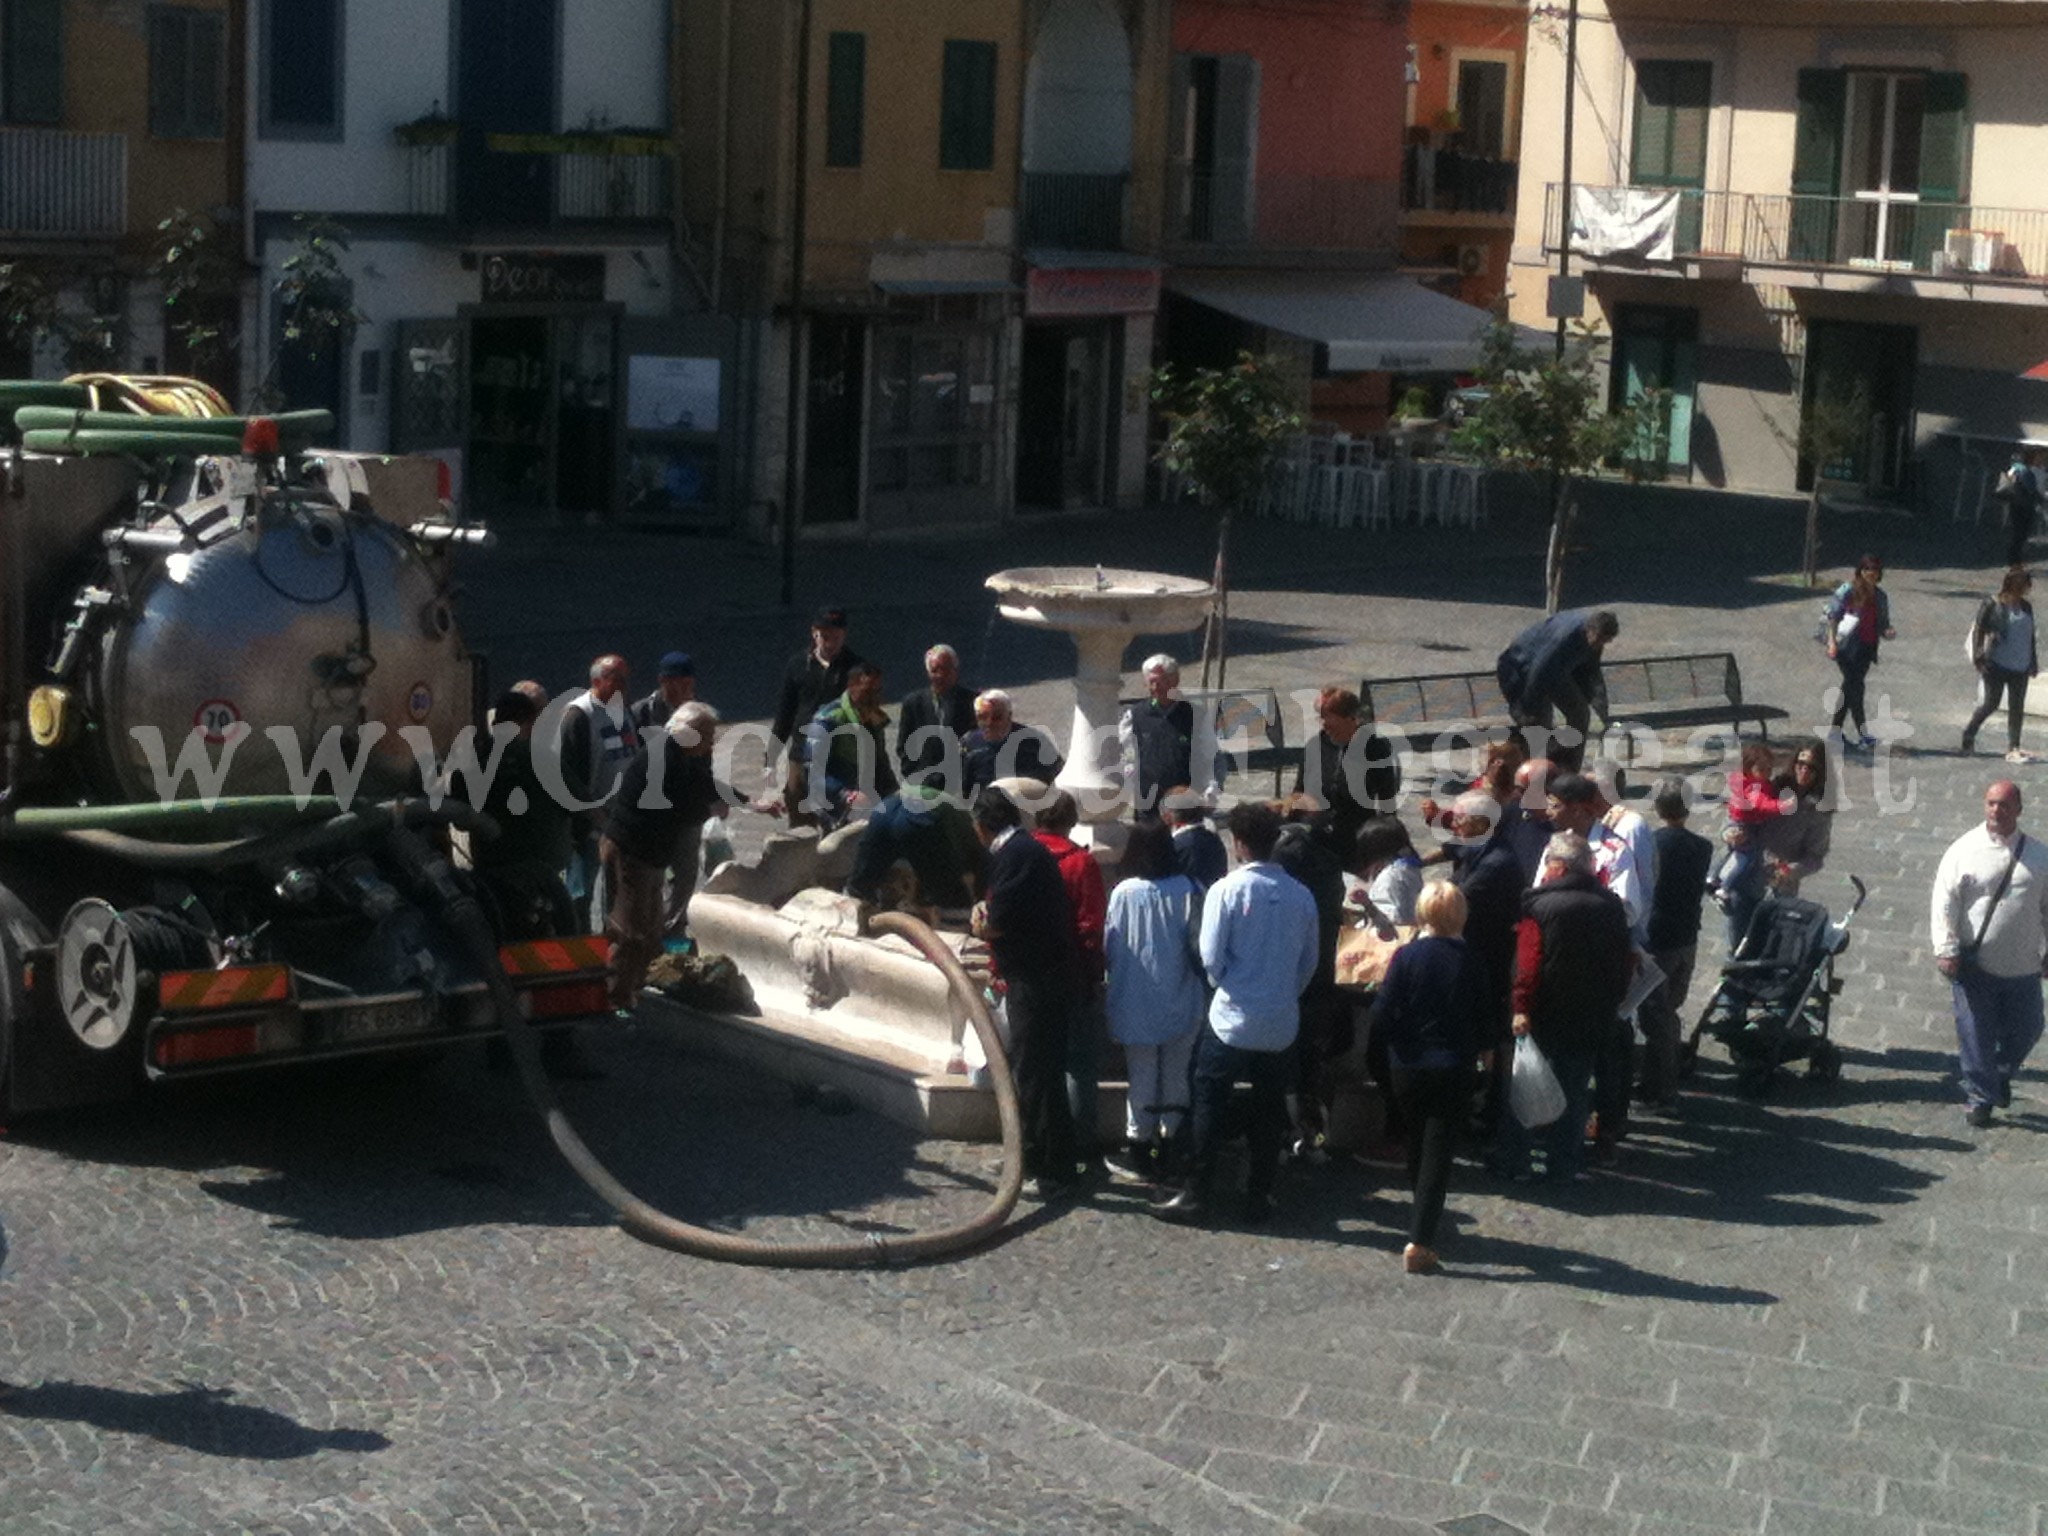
(1657, 692)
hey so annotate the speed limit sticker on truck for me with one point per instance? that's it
(214, 719)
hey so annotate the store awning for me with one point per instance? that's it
(1370, 322)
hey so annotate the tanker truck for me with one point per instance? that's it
(193, 609)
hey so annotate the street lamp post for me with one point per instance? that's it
(1564, 238)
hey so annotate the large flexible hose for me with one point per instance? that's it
(465, 921)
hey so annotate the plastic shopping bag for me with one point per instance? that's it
(1534, 1093)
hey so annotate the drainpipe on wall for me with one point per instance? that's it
(1571, 73)
(799, 236)
(723, 192)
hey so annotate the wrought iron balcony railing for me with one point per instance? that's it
(1227, 209)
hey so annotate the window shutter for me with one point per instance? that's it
(967, 111)
(206, 46)
(846, 98)
(1233, 198)
(304, 69)
(168, 73)
(1944, 135)
(1944, 143)
(1816, 163)
(32, 53)
(1669, 145)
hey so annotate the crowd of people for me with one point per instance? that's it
(1543, 906)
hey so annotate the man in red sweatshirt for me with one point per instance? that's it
(1089, 898)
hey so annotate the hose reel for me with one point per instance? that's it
(97, 981)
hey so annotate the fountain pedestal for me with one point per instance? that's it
(1103, 610)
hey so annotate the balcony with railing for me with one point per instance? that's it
(1074, 211)
(56, 185)
(1896, 234)
(612, 186)
(1226, 210)
(1452, 181)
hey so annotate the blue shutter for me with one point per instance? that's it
(32, 61)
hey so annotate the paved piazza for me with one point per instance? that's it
(377, 1301)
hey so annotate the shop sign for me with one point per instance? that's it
(1051, 294)
(534, 277)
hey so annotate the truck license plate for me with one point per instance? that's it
(378, 1021)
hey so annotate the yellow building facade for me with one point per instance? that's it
(981, 194)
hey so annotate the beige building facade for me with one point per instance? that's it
(1779, 206)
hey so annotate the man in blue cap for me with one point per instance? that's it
(675, 686)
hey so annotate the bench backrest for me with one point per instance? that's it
(1412, 701)
(1637, 681)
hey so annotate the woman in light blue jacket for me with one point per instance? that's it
(1156, 992)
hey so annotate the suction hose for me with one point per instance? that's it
(460, 914)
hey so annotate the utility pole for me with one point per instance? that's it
(1564, 239)
(799, 236)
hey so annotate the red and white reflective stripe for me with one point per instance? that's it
(236, 987)
(555, 957)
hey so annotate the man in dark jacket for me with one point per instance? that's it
(1306, 850)
(667, 790)
(932, 722)
(813, 679)
(1485, 867)
(1553, 668)
(1683, 859)
(1029, 925)
(999, 747)
(1157, 737)
(1573, 958)
(1352, 770)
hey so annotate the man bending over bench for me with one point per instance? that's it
(1553, 668)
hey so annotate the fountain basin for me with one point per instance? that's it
(1070, 597)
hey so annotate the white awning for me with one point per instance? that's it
(1371, 322)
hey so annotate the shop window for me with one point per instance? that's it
(967, 110)
(32, 61)
(301, 69)
(846, 83)
(184, 72)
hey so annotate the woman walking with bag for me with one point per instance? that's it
(1431, 1012)
(2002, 649)
(1859, 617)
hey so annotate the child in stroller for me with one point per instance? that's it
(1772, 1002)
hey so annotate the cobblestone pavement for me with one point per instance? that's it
(376, 1301)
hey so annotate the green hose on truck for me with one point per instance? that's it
(280, 827)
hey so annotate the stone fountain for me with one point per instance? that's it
(870, 1017)
(1103, 610)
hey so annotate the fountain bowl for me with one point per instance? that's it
(1083, 597)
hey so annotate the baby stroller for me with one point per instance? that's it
(1772, 1002)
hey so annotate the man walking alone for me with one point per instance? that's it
(1990, 929)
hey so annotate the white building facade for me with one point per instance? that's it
(502, 170)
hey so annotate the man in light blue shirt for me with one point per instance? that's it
(1259, 948)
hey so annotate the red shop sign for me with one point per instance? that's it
(1053, 294)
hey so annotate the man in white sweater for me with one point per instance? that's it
(1990, 930)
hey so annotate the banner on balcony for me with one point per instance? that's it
(1052, 294)
(1625, 221)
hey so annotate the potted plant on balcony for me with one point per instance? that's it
(424, 132)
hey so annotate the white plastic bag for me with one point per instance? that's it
(1534, 1093)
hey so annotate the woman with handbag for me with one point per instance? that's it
(2003, 651)
(1859, 617)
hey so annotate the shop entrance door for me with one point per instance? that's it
(1061, 435)
(1866, 370)
(543, 431)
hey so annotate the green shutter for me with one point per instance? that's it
(169, 70)
(846, 83)
(1944, 140)
(1668, 147)
(1816, 164)
(32, 61)
(207, 49)
(967, 108)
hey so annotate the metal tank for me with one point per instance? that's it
(309, 618)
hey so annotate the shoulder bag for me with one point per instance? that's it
(1966, 955)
